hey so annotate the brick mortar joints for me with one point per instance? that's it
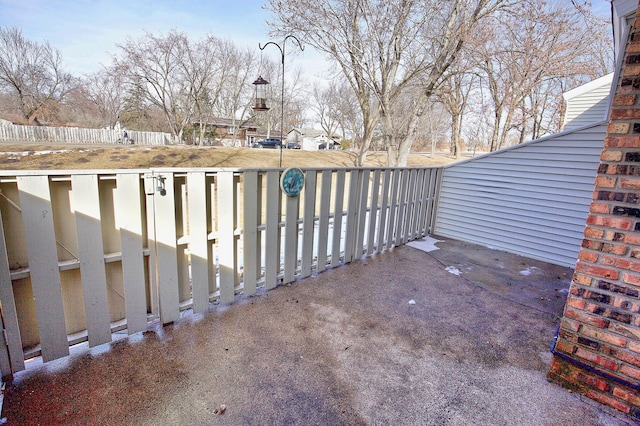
(617, 281)
(577, 346)
(613, 293)
(624, 150)
(571, 339)
(586, 296)
(618, 284)
(626, 193)
(612, 204)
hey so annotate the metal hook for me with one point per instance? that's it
(161, 186)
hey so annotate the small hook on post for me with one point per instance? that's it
(161, 185)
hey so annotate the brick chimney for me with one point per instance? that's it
(597, 351)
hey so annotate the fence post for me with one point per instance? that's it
(37, 213)
(12, 355)
(128, 211)
(166, 247)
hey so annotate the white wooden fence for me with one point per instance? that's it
(86, 253)
(78, 135)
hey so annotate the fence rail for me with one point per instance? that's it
(78, 135)
(84, 254)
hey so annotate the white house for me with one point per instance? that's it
(311, 139)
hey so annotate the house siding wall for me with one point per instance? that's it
(597, 350)
(531, 199)
(588, 105)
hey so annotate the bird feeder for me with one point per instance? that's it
(261, 94)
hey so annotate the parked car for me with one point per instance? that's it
(268, 143)
(293, 145)
(330, 145)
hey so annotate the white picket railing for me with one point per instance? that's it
(87, 253)
(79, 135)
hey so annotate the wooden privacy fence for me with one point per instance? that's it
(78, 135)
(84, 254)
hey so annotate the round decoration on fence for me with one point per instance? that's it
(292, 181)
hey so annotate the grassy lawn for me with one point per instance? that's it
(64, 157)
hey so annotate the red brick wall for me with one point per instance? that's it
(598, 345)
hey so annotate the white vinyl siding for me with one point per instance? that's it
(622, 19)
(588, 104)
(531, 199)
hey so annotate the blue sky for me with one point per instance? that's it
(87, 31)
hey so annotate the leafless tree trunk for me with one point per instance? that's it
(382, 47)
(155, 68)
(326, 106)
(33, 74)
(337, 30)
(454, 94)
(295, 101)
(236, 95)
(202, 66)
(524, 52)
(104, 89)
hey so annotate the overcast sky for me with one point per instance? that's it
(87, 31)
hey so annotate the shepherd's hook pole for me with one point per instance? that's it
(282, 53)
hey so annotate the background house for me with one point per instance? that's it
(229, 132)
(313, 139)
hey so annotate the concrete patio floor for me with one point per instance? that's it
(348, 346)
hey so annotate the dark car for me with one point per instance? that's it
(330, 145)
(268, 143)
(293, 145)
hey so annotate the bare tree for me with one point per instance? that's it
(235, 96)
(349, 118)
(202, 69)
(33, 74)
(541, 110)
(527, 52)
(295, 101)
(454, 95)
(157, 68)
(326, 106)
(435, 128)
(599, 54)
(191, 82)
(382, 47)
(335, 29)
(139, 113)
(104, 90)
